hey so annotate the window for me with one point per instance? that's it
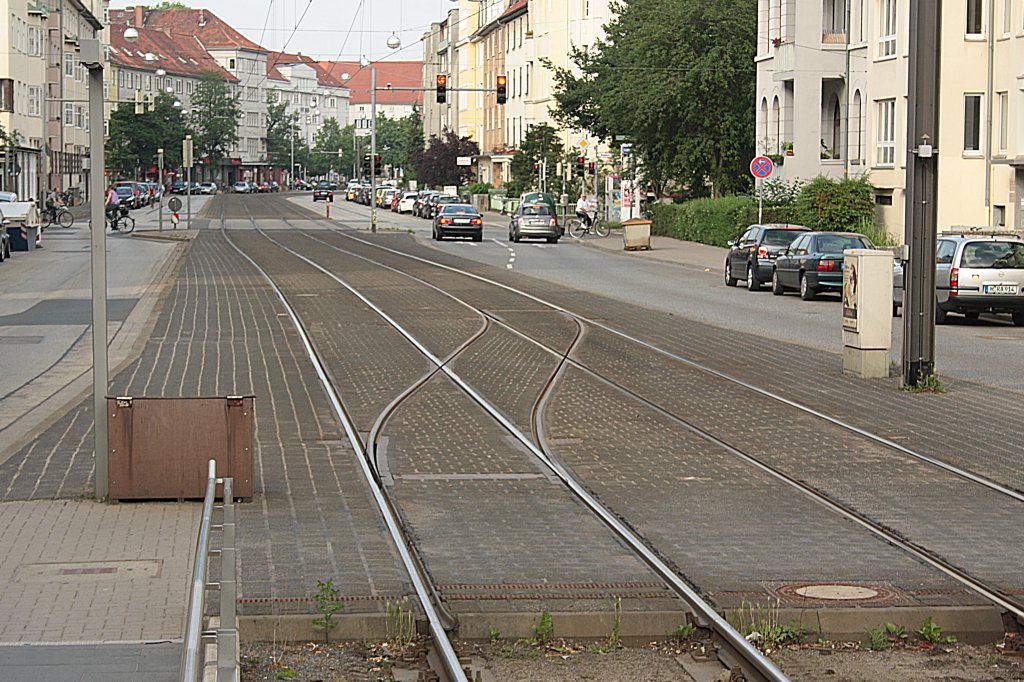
(332, 103)
(1007, 17)
(999, 215)
(35, 41)
(972, 123)
(80, 117)
(188, 87)
(944, 252)
(885, 150)
(69, 114)
(120, 79)
(149, 83)
(177, 85)
(69, 64)
(1004, 115)
(6, 94)
(35, 100)
(975, 16)
(231, 64)
(887, 29)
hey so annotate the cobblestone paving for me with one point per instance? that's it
(721, 522)
(223, 332)
(484, 513)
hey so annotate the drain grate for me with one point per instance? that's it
(825, 593)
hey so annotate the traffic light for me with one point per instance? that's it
(442, 88)
(536, 167)
(590, 167)
(581, 165)
(502, 89)
(373, 167)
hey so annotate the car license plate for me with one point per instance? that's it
(462, 221)
(1001, 289)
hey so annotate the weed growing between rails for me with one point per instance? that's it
(761, 626)
(327, 605)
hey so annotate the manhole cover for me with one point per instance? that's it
(836, 592)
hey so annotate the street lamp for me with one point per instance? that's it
(394, 42)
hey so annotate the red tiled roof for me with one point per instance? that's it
(399, 74)
(514, 8)
(210, 29)
(175, 53)
(324, 77)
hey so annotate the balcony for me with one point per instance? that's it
(785, 60)
(833, 39)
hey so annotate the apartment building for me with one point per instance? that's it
(393, 103)
(309, 89)
(439, 59)
(832, 84)
(22, 86)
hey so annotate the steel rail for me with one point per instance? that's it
(197, 589)
(761, 664)
(449, 658)
(881, 440)
(992, 593)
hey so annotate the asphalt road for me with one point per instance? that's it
(986, 350)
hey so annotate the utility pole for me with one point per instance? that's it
(291, 136)
(373, 149)
(922, 189)
(160, 167)
(187, 159)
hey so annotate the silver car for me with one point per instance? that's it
(533, 220)
(979, 273)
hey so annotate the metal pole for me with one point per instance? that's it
(98, 245)
(922, 186)
(160, 164)
(188, 184)
(760, 201)
(291, 135)
(373, 149)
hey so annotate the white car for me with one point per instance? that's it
(240, 187)
(406, 203)
(207, 188)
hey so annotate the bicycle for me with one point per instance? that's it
(60, 215)
(121, 222)
(577, 228)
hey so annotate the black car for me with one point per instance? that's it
(441, 200)
(323, 192)
(813, 263)
(752, 256)
(458, 220)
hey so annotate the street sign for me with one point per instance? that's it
(762, 167)
(174, 204)
(464, 161)
(627, 149)
(583, 144)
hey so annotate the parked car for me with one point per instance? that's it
(813, 263)
(395, 198)
(442, 200)
(752, 256)
(460, 220)
(533, 220)
(263, 187)
(240, 188)
(407, 202)
(178, 188)
(8, 197)
(274, 187)
(979, 273)
(421, 202)
(207, 188)
(351, 189)
(127, 196)
(323, 192)
(387, 196)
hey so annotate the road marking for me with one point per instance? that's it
(511, 253)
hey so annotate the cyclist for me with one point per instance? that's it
(583, 210)
(53, 200)
(112, 203)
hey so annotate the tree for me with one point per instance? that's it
(329, 140)
(540, 144)
(398, 139)
(676, 78)
(135, 138)
(437, 164)
(214, 118)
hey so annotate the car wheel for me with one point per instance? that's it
(440, 235)
(776, 284)
(552, 240)
(1018, 316)
(752, 282)
(478, 237)
(972, 315)
(940, 315)
(806, 292)
(510, 236)
(516, 237)
(730, 281)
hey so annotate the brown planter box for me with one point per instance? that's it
(159, 447)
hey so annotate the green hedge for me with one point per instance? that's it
(822, 204)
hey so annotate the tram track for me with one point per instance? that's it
(992, 593)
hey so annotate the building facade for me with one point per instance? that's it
(439, 59)
(832, 89)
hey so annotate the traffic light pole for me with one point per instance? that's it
(922, 190)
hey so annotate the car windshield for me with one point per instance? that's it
(780, 237)
(459, 209)
(834, 243)
(993, 255)
(536, 210)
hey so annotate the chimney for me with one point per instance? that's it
(202, 18)
(139, 15)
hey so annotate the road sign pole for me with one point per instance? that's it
(760, 201)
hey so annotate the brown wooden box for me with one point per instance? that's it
(159, 447)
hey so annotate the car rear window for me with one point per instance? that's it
(835, 243)
(536, 210)
(993, 255)
(780, 237)
(459, 209)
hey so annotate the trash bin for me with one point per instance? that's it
(21, 220)
(636, 234)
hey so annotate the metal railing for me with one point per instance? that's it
(223, 628)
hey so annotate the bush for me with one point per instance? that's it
(836, 205)
(708, 221)
(478, 188)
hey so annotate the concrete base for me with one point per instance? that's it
(866, 364)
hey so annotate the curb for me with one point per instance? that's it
(976, 625)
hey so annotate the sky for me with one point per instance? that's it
(323, 30)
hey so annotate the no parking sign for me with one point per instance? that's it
(762, 167)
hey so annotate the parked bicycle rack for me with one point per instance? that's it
(221, 630)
